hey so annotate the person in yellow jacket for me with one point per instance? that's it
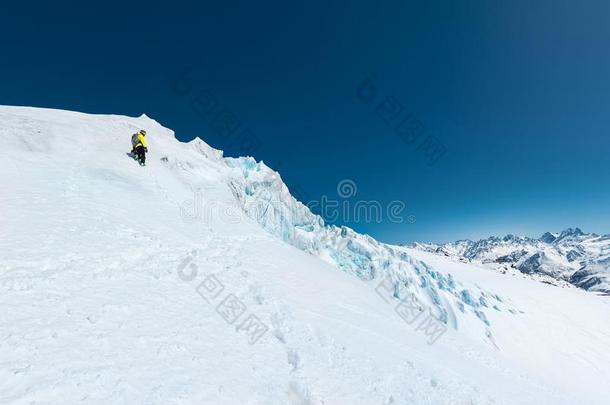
(139, 148)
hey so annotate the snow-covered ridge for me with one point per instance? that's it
(572, 255)
(265, 198)
(95, 308)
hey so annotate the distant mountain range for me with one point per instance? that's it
(582, 259)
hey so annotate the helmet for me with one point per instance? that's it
(143, 132)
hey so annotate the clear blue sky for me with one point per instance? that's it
(518, 94)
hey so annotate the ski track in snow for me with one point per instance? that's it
(94, 309)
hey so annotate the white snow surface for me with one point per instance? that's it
(114, 279)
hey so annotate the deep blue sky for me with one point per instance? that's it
(518, 94)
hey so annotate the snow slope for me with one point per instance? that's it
(199, 280)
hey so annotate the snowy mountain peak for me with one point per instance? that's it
(548, 237)
(571, 255)
(201, 279)
(570, 233)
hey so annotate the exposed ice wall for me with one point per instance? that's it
(265, 198)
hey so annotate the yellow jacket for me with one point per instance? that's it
(141, 141)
